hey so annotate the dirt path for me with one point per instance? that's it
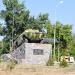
(36, 70)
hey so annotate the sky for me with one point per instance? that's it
(65, 13)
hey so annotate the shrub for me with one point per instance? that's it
(11, 64)
(0, 60)
(50, 62)
(63, 63)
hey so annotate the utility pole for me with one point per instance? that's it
(54, 55)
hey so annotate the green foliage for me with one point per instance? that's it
(50, 30)
(72, 53)
(72, 47)
(63, 63)
(12, 64)
(1, 60)
(1, 51)
(16, 16)
(50, 62)
(64, 52)
(18, 19)
(1, 29)
(64, 36)
(0, 47)
(6, 46)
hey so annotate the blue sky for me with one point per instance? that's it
(65, 13)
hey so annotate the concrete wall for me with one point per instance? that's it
(26, 54)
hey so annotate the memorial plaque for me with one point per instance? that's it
(38, 52)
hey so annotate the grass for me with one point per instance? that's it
(11, 64)
(63, 63)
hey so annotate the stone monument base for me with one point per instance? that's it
(33, 53)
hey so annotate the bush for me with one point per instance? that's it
(11, 64)
(1, 60)
(63, 63)
(50, 62)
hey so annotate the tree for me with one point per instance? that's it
(64, 36)
(50, 30)
(43, 20)
(1, 30)
(17, 19)
(72, 46)
(15, 16)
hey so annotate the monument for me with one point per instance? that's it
(29, 49)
